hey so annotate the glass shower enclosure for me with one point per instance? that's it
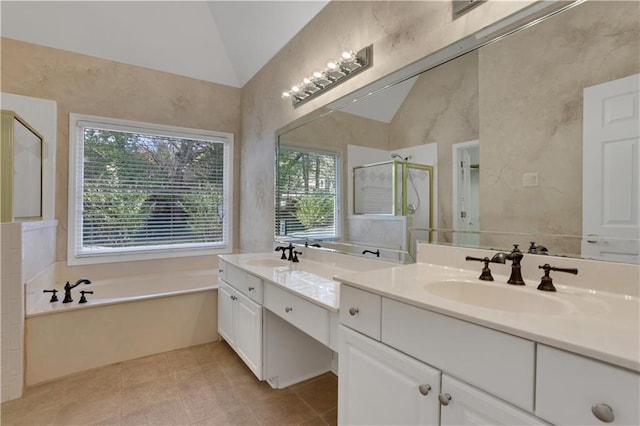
(397, 188)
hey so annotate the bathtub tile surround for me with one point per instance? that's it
(204, 385)
(12, 311)
(38, 247)
(27, 249)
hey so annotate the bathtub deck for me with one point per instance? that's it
(206, 384)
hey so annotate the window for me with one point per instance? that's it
(307, 193)
(143, 191)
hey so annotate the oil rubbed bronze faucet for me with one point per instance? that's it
(293, 254)
(68, 287)
(516, 269)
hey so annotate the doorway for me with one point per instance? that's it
(466, 193)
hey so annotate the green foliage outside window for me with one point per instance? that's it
(144, 189)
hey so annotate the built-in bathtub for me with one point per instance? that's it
(125, 318)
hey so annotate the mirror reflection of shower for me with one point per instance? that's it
(397, 187)
(411, 208)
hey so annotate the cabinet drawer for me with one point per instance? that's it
(254, 288)
(497, 362)
(222, 269)
(235, 276)
(308, 317)
(568, 385)
(360, 310)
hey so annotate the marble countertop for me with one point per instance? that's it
(598, 324)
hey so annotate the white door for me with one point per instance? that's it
(611, 160)
(226, 308)
(466, 193)
(466, 405)
(249, 336)
(381, 386)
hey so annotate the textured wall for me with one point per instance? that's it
(401, 32)
(531, 116)
(88, 85)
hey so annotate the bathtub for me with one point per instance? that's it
(125, 318)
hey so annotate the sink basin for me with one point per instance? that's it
(507, 298)
(267, 263)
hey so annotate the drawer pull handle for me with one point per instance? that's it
(444, 399)
(424, 389)
(353, 311)
(220, 271)
(288, 309)
(251, 288)
(233, 297)
(603, 412)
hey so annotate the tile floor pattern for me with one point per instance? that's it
(201, 385)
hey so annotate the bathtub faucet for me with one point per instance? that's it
(68, 287)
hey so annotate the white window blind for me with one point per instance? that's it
(307, 201)
(146, 188)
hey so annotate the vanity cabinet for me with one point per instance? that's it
(571, 389)
(379, 385)
(240, 317)
(466, 405)
(282, 337)
(306, 316)
(401, 364)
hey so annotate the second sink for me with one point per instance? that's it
(517, 300)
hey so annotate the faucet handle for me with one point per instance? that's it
(83, 299)
(546, 283)
(295, 256)
(54, 296)
(486, 272)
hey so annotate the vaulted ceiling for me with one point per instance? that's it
(225, 42)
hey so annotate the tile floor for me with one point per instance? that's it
(201, 385)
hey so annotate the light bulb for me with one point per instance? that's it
(317, 74)
(347, 54)
(286, 94)
(332, 65)
(295, 89)
(306, 80)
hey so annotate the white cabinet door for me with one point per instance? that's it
(574, 390)
(466, 405)
(249, 333)
(226, 312)
(381, 386)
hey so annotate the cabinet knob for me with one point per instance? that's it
(251, 288)
(353, 311)
(444, 399)
(603, 412)
(424, 389)
(233, 297)
(220, 271)
(288, 309)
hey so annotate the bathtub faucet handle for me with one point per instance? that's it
(83, 299)
(54, 296)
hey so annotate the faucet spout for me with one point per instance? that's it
(80, 281)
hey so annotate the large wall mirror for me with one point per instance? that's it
(533, 137)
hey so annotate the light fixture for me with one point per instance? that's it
(336, 72)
